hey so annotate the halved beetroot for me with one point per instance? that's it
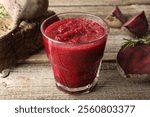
(138, 25)
(116, 19)
(133, 62)
(118, 14)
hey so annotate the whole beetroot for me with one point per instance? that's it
(133, 60)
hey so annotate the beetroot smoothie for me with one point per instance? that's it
(75, 52)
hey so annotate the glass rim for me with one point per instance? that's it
(107, 29)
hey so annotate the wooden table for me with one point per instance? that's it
(33, 78)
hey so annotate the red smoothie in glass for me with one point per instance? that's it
(77, 53)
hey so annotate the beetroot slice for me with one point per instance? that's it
(118, 14)
(138, 25)
(134, 61)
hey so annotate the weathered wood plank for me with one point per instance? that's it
(95, 2)
(103, 11)
(35, 81)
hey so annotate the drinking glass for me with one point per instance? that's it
(75, 65)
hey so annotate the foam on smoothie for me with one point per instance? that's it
(75, 30)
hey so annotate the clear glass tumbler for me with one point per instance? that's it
(76, 66)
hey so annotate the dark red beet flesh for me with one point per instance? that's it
(138, 25)
(118, 14)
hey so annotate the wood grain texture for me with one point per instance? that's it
(96, 2)
(103, 11)
(38, 83)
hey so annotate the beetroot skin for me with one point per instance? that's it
(135, 60)
(118, 14)
(133, 63)
(138, 25)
